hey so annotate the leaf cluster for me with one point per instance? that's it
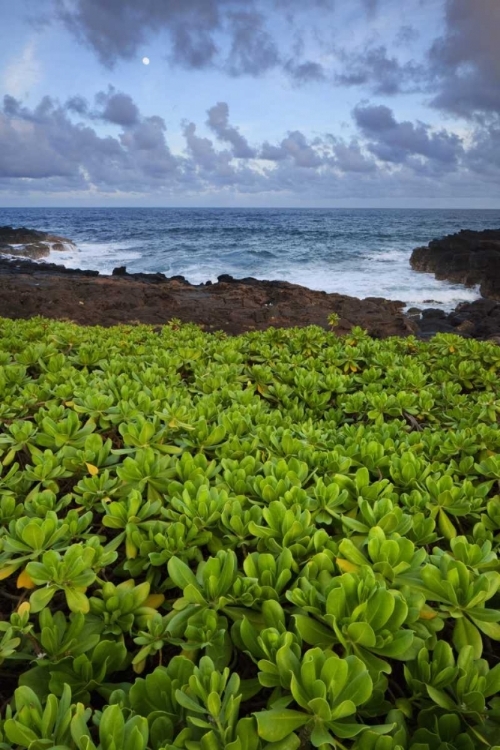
(270, 542)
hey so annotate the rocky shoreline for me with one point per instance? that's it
(469, 258)
(28, 288)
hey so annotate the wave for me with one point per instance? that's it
(360, 253)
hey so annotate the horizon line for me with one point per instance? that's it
(263, 208)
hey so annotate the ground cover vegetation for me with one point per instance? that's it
(275, 541)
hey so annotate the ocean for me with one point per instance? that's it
(359, 252)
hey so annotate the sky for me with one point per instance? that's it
(300, 103)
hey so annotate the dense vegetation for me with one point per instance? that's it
(273, 541)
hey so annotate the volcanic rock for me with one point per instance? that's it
(234, 306)
(480, 318)
(29, 243)
(467, 257)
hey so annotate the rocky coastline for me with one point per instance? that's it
(29, 288)
(469, 258)
(29, 243)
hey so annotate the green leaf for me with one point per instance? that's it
(181, 574)
(112, 726)
(275, 725)
(320, 735)
(441, 698)
(186, 702)
(77, 601)
(491, 629)
(18, 733)
(346, 730)
(320, 708)
(313, 632)
(492, 680)
(466, 634)
(361, 633)
(445, 526)
(41, 597)
(292, 742)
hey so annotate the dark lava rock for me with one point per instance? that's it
(483, 314)
(24, 266)
(29, 243)
(433, 312)
(467, 257)
(119, 271)
(27, 288)
(435, 325)
(414, 313)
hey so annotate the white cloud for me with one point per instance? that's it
(23, 72)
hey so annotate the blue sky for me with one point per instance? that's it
(250, 102)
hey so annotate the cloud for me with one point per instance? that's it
(24, 72)
(294, 147)
(382, 73)
(115, 29)
(306, 72)
(239, 37)
(483, 156)
(118, 108)
(349, 157)
(465, 60)
(253, 51)
(218, 122)
(392, 141)
(44, 142)
(54, 147)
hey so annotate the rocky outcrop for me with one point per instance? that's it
(479, 320)
(467, 257)
(231, 305)
(29, 243)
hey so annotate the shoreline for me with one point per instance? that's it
(232, 305)
(29, 288)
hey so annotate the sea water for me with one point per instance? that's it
(359, 252)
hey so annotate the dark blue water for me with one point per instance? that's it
(361, 252)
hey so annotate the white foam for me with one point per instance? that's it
(96, 256)
(385, 273)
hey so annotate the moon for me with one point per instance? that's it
(145, 60)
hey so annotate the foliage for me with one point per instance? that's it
(270, 542)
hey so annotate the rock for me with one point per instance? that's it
(432, 312)
(233, 307)
(483, 314)
(467, 326)
(435, 325)
(29, 243)
(467, 257)
(414, 312)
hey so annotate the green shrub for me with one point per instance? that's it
(270, 542)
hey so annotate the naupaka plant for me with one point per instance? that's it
(291, 537)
